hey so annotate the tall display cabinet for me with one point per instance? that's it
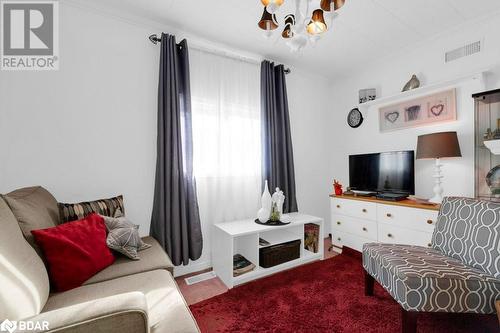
(487, 145)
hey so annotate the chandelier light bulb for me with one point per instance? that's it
(317, 24)
(272, 8)
(269, 2)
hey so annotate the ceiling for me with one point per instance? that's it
(380, 26)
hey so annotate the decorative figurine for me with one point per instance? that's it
(337, 187)
(414, 83)
(278, 199)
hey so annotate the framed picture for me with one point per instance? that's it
(428, 110)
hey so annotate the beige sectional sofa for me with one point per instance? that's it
(127, 297)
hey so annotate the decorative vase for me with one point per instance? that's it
(263, 215)
(266, 200)
(275, 214)
(338, 190)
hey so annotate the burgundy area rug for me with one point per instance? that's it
(325, 296)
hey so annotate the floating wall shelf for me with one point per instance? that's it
(419, 92)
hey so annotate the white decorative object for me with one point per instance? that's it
(266, 201)
(266, 204)
(263, 215)
(438, 188)
(279, 198)
(493, 146)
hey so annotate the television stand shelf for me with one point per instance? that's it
(242, 237)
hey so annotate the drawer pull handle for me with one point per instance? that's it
(430, 221)
(339, 223)
(364, 229)
(429, 245)
(389, 215)
(339, 239)
(364, 210)
(338, 206)
(389, 235)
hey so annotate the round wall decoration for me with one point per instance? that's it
(355, 118)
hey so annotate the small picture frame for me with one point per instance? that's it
(366, 95)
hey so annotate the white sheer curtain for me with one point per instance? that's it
(225, 95)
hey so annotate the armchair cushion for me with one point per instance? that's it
(469, 230)
(122, 313)
(423, 279)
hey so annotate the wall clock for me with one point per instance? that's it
(355, 118)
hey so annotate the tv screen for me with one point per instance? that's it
(391, 172)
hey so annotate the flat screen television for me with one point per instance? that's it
(390, 172)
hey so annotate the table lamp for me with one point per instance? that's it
(437, 146)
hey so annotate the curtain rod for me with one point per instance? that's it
(155, 40)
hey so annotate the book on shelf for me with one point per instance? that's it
(263, 242)
(241, 265)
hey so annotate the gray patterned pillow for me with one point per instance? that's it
(123, 236)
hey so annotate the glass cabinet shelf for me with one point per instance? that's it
(487, 145)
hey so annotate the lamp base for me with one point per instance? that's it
(436, 199)
(438, 189)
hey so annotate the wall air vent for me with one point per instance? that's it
(464, 51)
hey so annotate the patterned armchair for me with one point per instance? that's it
(460, 273)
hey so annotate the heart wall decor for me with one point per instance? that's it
(392, 116)
(427, 110)
(437, 109)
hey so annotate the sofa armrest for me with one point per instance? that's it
(123, 313)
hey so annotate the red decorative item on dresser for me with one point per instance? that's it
(74, 251)
(337, 187)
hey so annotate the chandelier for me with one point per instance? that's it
(305, 26)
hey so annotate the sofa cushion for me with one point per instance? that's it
(123, 237)
(423, 279)
(75, 251)
(151, 259)
(469, 230)
(34, 208)
(76, 211)
(24, 283)
(167, 310)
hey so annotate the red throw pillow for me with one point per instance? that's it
(75, 251)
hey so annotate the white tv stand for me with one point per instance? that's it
(359, 220)
(242, 237)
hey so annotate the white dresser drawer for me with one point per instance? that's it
(341, 239)
(396, 235)
(354, 208)
(355, 226)
(404, 217)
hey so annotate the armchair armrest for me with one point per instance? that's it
(123, 313)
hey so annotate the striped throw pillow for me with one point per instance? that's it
(77, 211)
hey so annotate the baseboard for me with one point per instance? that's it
(191, 268)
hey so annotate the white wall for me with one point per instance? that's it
(88, 131)
(388, 76)
(308, 96)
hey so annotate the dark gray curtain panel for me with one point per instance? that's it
(175, 221)
(277, 151)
